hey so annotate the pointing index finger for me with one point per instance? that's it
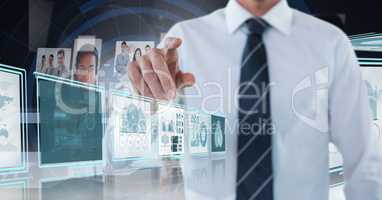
(170, 54)
(163, 73)
(172, 43)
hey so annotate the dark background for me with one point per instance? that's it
(26, 25)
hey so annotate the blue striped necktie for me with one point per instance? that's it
(254, 159)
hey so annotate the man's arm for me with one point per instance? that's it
(350, 125)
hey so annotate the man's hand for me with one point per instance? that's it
(157, 73)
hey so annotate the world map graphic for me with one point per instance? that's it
(4, 102)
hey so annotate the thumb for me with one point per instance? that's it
(184, 80)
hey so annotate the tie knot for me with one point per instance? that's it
(256, 26)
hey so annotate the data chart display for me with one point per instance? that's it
(199, 127)
(171, 130)
(218, 134)
(70, 123)
(132, 127)
(372, 77)
(12, 119)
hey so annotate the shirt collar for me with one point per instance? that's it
(279, 17)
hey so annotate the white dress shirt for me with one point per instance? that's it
(317, 97)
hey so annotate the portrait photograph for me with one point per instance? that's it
(86, 59)
(54, 62)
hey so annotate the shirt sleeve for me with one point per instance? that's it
(351, 127)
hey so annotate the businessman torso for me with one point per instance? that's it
(304, 55)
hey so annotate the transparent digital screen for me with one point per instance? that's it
(13, 190)
(70, 128)
(218, 134)
(11, 128)
(132, 127)
(199, 131)
(54, 61)
(372, 43)
(171, 130)
(86, 60)
(127, 51)
(373, 80)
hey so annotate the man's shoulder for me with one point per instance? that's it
(217, 15)
(309, 25)
(209, 21)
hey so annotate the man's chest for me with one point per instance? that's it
(299, 78)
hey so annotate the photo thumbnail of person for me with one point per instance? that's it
(137, 53)
(147, 48)
(127, 51)
(54, 61)
(123, 58)
(86, 59)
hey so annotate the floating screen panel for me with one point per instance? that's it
(199, 130)
(132, 127)
(12, 120)
(13, 190)
(218, 134)
(70, 128)
(372, 43)
(54, 61)
(373, 79)
(171, 130)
